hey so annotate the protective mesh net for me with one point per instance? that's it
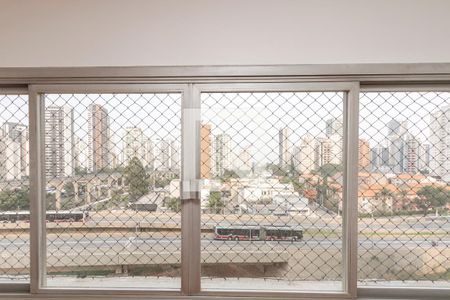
(404, 189)
(14, 189)
(112, 164)
(271, 198)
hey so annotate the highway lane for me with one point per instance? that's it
(402, 223)
(106, 243)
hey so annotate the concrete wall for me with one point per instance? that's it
(222, 32)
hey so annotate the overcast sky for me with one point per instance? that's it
(251, 119)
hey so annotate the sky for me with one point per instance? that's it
(251, 119)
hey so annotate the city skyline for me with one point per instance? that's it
(415, 151)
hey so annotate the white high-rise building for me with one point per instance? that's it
(10, 163)
(284, 147)
(149, 156)
(221, 154)
(162, 161)
(306, 155)
(411, 154)
(336, 149)
(243, 161)
(334, 126)
(440, 143)
(397, 132)
(81, 154)
(59, 141)
(424, 157)
(99, 144)
(134, 145)
(19, 134)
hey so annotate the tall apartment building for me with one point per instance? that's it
(59, 141)
(19, 133)
(149, 155)
(205, 151)
(440, 143)
(10, 160)
(380, 158)
(305, 157)
(99, 144)
(364, 155)
(162, 162)
(221, 154)
(424, 157)
(396, 131)
(81, 154)
(284, 147)
(411, 154)
(134, 145)
(243, 161)
(334, 126)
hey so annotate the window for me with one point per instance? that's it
(208, 184)
(112, 190)
(14, 189)
(278, 156)
(404, 200)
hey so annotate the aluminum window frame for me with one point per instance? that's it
(370, 77)
(37, 185)
(17, 286)
(350, 163)
(401, 291)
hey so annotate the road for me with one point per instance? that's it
(106, 243)
(402, 223)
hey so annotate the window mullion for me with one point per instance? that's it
(350, 203)
(190, 195)
(37, 191)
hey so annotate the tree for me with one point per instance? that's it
(383, 195)
(174, 204)
(276, 170)
(215, 203)
(332, 199)
(136, 178)
(227, 175)
(15, 200)
(430, 197)
(329, 170)
(69, 188)
(402, 198)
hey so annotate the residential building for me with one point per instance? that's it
(440, 143)
(205, 148)
(364, 155)
(334, 126)
(19, 133)
(10, 160)
(59, 141)
(222, 154)
(99, 144)
(284, 147)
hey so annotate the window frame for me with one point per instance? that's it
(368, 77)
(37, 185)
(350, 110)
(16, 286)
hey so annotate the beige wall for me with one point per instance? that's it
(214, 32)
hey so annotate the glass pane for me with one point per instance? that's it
(112, 168)
(271, 198)
(14, 189)
(404, 189)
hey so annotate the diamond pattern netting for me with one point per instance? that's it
(112, 168)
(271, 168)
(14, 188)
(404, 188)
